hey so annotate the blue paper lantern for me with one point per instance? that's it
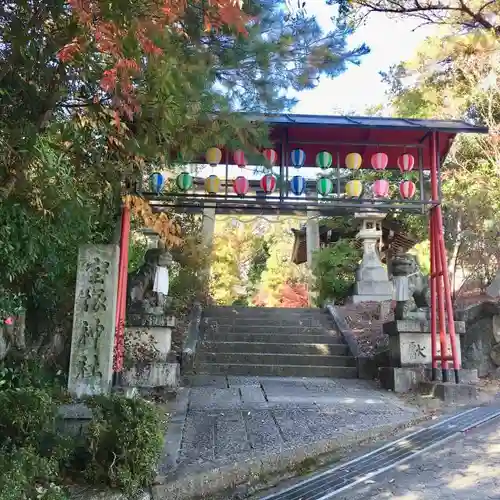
(297, 185)
(156, 182)
(298, 158)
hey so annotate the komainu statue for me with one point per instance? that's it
(147, 288)
(411, 288)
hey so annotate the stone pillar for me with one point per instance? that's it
(94, 316)
(208, 227)
(312, 245)
(312, 236)
(372, 282)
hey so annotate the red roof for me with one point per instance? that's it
(341, 135)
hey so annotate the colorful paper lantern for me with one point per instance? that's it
(156, 182)
(268, 183)
(324, 159)
(324, 186)
(270, 155)
(213, 156)
(379, 161)
(298, 158)
(239, 158)
(406, 163)
(380, 188)
(407, 189)
(184, 181)
(241, 185)
(297, 185)
(212, 184)
(354, 188)
(353, 161)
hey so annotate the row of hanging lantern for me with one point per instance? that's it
(213, 157)
(324, 159)
(380, 189)
(324, 185)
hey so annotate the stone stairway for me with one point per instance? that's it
(263, 341)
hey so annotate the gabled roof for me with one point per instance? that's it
(341, 135)
(453, 126)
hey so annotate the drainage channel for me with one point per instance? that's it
(331, 482)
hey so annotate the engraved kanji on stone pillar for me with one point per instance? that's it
(91, 362)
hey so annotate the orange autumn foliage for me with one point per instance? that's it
(107, 36)
(168, 230)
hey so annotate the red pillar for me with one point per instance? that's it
(121, 301)
(440, 284)
(433, 303)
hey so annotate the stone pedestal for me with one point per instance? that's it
(372, 282)
(164, 370)
(410, 342)
(410, 353)
(92, 342)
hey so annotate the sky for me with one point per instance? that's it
(360, 86)
(390, 40)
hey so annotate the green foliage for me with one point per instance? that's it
(136, 250)
(456, 75)
(20, 369)
(24, 474)
(11, 304)
(187, 275)
(334, 269)
(28, 417)
(124, 441)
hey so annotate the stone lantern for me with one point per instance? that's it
(372, 281)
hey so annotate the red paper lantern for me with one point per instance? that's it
(270, 155)
(407, 189)
(406, 163)
(239, 158)
(379, 161)
(241, 185)
(380, 188)
(268, 183)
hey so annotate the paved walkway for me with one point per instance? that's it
(466, 469)
(220, 420)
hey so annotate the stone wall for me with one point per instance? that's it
(481, 341)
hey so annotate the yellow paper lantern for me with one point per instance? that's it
(353, 161)
(212, 184)
(213, 156)
(354, 189)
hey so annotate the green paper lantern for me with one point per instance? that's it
(184, 181)
(324, 159)
(324, 186)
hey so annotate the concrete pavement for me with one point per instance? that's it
(465, 469)
(227, 431)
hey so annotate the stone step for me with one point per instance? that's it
(218, 311)
(277, 370)
(262, 328)
(271, 321)
(237, 358)
(272, 338)
(274, 348)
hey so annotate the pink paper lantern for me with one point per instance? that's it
(406, 163)
(379, 161)
(241, 185)
(239, 158)
(407, 189)
(380, 188)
